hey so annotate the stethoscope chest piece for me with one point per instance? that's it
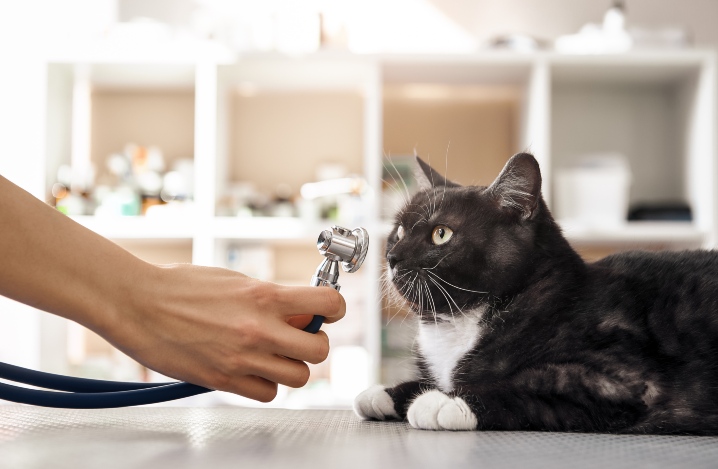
(340, 245)
(337, 245)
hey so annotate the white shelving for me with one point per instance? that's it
(689, 77)
(559, 100)
(637, 233)
(138, 228)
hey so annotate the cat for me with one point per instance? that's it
(517, 332)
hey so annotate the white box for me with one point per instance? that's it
(594, 193)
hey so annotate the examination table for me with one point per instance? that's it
(165, 437)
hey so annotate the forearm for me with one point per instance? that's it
(40, 247)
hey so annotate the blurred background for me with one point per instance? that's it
(230, 133)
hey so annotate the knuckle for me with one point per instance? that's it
(333, 300)
(238, 364)
(250, 333)
(263, 295)
(301, 377)
(321, 351)
(268, 393)
(220, 381)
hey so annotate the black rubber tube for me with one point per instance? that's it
(68, 383)
(314, 325)
(99, 400)
(94, 393)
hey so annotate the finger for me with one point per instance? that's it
(292, 373)
(300, 322)
(322, 301)
(253, 387)
(301, 345)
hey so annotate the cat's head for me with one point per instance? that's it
(456, 246)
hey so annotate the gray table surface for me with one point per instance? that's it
(161, 437)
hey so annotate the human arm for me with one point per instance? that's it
(212, 327)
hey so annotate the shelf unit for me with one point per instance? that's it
(556, 100)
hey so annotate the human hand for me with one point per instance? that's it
(223, 330)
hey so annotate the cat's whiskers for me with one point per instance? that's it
(398, 192)
(450, 299)
(405, 289)
(420, 221)
(392, 299)
(395, 186)
(417, 213)
(424, 299)
(446, 170)
(387, 286)
(406, 188)
(392, 248)
(452, 285)
(422, 216)
(442, 291)
(401, 276)
(427, 211)
(411, 295)
(392, 317)
(412, 285)
(395, 294)
(437, 264)
(433, 210)
(430, 299)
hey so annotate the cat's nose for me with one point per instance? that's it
(392, 259)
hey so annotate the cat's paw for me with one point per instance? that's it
(375, 403)
(434, 410)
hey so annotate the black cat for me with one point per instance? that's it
(517, 332)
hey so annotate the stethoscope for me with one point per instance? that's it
(337, 245)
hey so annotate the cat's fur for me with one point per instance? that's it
(517, 332)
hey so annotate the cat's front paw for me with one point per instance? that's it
(434, 410)
(375, 403)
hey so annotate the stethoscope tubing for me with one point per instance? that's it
(83, 393)
(99, 400)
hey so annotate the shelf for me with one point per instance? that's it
(672, 233)
(139, 51)
(458, 70)
(316, 72)
(258, 229)
(140, 228)
(634, 68)
(268, 228)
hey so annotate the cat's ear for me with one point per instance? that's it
(518, 187)
(427, 177)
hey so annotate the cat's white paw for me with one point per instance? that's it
(375, 403)
(434, 410)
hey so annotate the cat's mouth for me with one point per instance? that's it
(415, 287)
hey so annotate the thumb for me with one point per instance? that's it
(300, 301)
(300, 322)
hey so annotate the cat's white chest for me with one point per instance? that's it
(443, 344)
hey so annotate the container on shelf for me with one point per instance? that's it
(594, 193)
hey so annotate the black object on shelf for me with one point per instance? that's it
(661, 212)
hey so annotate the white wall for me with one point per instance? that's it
(549, 19)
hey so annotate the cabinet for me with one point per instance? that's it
(271, 120)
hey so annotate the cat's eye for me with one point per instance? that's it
(400, 232)
(441, 234)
